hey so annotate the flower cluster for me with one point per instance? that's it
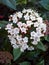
(26, 29)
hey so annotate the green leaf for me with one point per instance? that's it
(25, 63)
(3, 23)
(16, 53)
(33, 1)
(21, 2)
(32, 54)
(41, 46)
(41, 62)
(45, 4)
(9, 3)
(47, 38)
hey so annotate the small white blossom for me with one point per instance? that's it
(25, 39)
(31, 48)
(11, 31)
(36, 24)
(32, 18)
(23, 30)
(26, 17)
(19, 37)
(19, 24)
(37, 39)
(29, 11)
(36, 14)
(16, 30)
(40, 20)
(9, 26)
(0, 27)
(43, 26)
(32, 33)
(29, 23)
(14, 18)
(34, 42)
(24, 25)
(19, 14)
(24, 47)
(24, 11)
(13, 41)
(15, 46)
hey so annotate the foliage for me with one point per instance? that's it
(21, 2)
(24, 63)
(45, 4)
(9, 3)
(3, 23)
(30, 57)
(41, 46)
(41, 62)
(16, 53)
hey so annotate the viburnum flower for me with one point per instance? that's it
(29, 23)
(14, 18)
(19, 14)
(26, 29)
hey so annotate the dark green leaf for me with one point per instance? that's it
(41, 62)
(47, 38)
(41, 46)
(16, 53)
(3, 23)
(32, 54)
(21, 2)
(25, 63)
(45, 4)
(9, 3)
(33, 1)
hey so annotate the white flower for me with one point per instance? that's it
(26, 17)
(11, 15)
(36, 14)
(24, 11)
(37, 39)
(24, 47)
(43, 27)
(19, 24)
(34, 42)
(36, 24)
(19, 37)
(13, 41)
(15, 46)
(40, 34)
(0, 27)
(24, 25)
(19, 14)
(32, 33)
(29, 23)
(32, 17)
(25, 39)
(23, 30)
(40, 20)
(9, 26)
(11, 31)
(16, 31)
(29, 11)
(38, 29)
(14, 18)
(31, 48)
